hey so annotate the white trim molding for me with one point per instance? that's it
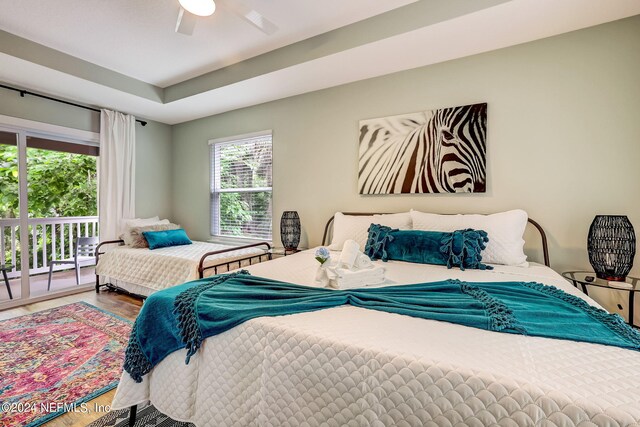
(46, 129)
(238, 137)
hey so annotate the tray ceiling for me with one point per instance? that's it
(125, 55)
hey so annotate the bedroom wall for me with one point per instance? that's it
(563, 139)
(153, 146)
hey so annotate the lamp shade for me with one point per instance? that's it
(611, 245)
(290, 230)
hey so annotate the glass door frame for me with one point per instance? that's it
(28, 128)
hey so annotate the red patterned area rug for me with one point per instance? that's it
(56, 360)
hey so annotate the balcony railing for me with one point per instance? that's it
(49, 239)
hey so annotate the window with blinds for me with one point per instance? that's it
(241, 186)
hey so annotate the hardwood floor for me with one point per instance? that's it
(122, 305)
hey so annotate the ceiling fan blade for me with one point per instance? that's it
(186, 22)
(252, 16)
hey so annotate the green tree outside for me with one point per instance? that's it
(245, 166)
(58, 185)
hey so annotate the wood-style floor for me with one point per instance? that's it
(122, 305)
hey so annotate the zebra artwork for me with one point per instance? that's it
(436, 151)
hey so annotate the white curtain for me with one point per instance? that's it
(116, 173)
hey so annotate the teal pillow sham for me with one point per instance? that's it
(461, 248)
(166, 238)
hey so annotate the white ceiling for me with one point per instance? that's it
(503, 25)
(137, 38)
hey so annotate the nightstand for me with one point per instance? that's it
(588, 278)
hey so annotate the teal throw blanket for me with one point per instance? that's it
(183, 316)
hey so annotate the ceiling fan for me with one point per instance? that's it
(190, 10)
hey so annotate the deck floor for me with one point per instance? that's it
(60, 280)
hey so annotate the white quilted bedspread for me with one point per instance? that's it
(161, 268)
(357, 367)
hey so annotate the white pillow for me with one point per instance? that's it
(135, 237)
(139, 222)
(129, 224)
(356, 228)
(505, 230)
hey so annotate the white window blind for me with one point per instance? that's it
(241, 187)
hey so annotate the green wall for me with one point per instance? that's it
(153, 146)
(563, 138)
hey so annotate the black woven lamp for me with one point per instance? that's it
(611, 245)
(290, 230)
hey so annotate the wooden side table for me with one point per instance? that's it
(5, 268)
(588, 278)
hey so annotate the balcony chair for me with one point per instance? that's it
(84, 250)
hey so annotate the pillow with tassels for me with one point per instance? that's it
(461, 248)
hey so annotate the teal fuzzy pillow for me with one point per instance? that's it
(460, 248)
(166, 238)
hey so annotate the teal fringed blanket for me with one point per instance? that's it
(183, 316)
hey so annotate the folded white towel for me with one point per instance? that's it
(354, 269)
(348, 279)
(349, 254)
(345, 273)
(363, 261)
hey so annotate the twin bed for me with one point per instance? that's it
(140, 271)
(354, 366)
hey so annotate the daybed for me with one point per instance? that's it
(141, 271)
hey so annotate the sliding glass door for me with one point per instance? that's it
(63, 213)
(48, 214)
(10, 247)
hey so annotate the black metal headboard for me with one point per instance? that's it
(543, 236)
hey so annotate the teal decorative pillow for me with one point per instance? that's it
(463, 248)
(460, 248)
(379, 237)
(166, 238)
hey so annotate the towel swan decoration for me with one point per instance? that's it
(354, 269)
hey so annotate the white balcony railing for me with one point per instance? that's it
(49, 239)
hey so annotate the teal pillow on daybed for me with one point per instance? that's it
(460, 248)
(166, 238)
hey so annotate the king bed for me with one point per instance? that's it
(349, 365)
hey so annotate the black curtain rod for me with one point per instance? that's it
(24, 92)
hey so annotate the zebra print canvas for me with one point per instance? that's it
(436, 151)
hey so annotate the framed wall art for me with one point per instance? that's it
(435, 151)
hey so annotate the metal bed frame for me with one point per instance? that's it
(538, 227)
(201, 264)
